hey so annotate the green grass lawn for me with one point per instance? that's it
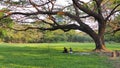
(49, 55)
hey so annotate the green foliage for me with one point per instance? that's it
(113, 3)
(23, 36)
(117, 37)
(116, 1)
(55, 36)
(2, 11)
(7, 22)
(60, 36)
(75, 36)
(46, 36)
(50, 56)
(1, 14)
(112, 38)
(3, 33)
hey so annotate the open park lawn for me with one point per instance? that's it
(49, 55)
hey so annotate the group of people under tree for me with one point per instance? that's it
(66, 50)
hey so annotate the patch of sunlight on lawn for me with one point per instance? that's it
(1, 57)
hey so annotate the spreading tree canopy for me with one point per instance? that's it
(49, 15)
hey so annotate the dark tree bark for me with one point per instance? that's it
(97, 37)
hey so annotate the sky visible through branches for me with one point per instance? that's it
(65, 3)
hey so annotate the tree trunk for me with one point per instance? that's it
(97, 37)
(99, 41)
(100, 45)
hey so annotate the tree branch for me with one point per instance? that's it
(76, 10)
(86, 10)
(28, 14)
(74, 17)
(48, 23)
(112, 12)
(62, 27)
(116, 30)
(98, 3)
(34, 5)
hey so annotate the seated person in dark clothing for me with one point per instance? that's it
(65, 50)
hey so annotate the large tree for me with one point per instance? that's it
(66, 17)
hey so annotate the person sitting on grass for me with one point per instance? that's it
(71, 51)
(65, 50)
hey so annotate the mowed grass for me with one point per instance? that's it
(49, 55)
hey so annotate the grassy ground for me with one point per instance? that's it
(49, 55)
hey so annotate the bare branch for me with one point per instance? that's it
(84, 16)
(34, 5)
(52, 3)
(112, 12)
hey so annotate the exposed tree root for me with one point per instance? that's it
(102, 50)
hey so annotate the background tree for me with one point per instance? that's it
(68, 18)
(60, 36)
(28, 36)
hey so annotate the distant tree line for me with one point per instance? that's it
(36, 36)
(112, 38)
(71, 36)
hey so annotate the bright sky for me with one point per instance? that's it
(61, 2)
(65, 2)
